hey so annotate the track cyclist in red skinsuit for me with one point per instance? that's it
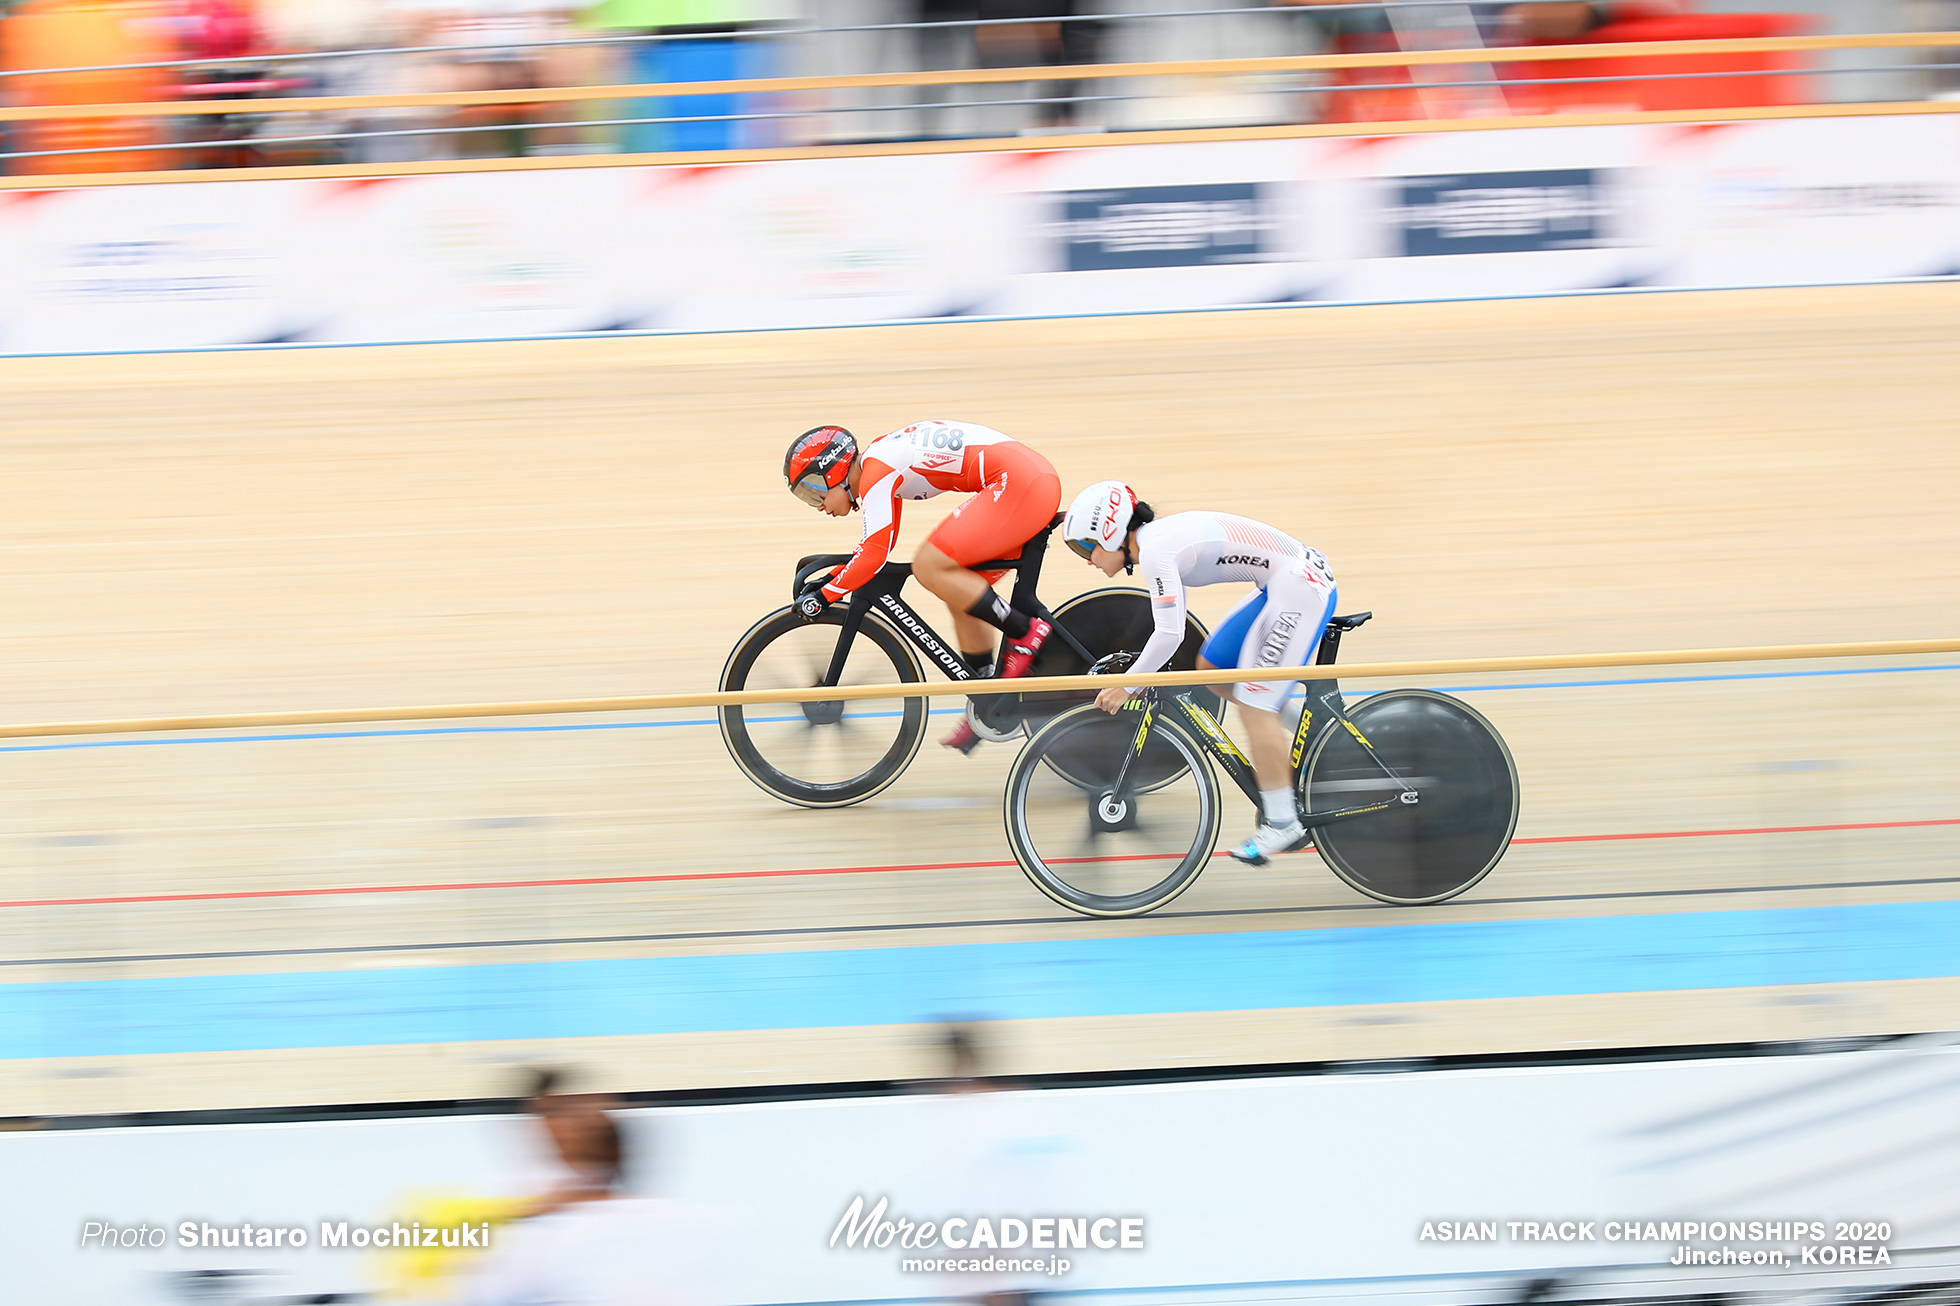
(1015, 493)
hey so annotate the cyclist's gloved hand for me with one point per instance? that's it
(1113, 698)
(811, 602)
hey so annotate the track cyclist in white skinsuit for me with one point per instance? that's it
(1278, 625)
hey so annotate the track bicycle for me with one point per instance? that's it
(832, 753)
(1410, 796)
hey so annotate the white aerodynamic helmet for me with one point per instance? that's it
(1100, 515)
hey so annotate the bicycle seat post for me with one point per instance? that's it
(1027, 569)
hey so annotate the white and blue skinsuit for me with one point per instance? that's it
(1279, 624)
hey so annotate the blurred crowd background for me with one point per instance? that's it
(61, 52)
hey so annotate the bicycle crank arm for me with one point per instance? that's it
(1314, 820)
(1409, 788)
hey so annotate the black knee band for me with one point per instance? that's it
(992, 609)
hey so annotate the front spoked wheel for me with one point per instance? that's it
(1092, 848)
(1466, 797)
(821, 753)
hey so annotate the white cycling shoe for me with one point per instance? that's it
(1270, 839)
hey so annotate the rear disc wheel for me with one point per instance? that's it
(1466, 797)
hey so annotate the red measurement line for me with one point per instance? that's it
(337, 890)
(1760, 829)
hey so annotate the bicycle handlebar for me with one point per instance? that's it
(812, 563)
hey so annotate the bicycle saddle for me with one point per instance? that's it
(1350, 621)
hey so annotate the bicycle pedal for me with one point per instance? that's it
(963, 738)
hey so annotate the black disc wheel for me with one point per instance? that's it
(1106, 621)
(1466, 797)
(1099, 850)
(821, 753)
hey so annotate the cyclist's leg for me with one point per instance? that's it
(1299, 602)
(976, 640)
(1221, 650)
(1021, 497)
(973, 637)
(962, 589)
(1287, 631)
(965, 590)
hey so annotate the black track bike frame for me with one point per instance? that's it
(882, 592)
(1322, 711)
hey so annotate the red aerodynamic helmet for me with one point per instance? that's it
(818, 461)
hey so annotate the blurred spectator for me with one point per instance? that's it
(512, 45)
(957, 1045)
(1390, 93)
(987, 1151)
(1031, 44)
(85, 34)
(584, 64)
(1942, 77)
(586, 1242)
(705, 41)
(583, 1138)
(413, 47)
(1649, 82)
(1555, 86)
(495, 50)
(213, 30)
(1558, 22)
(941, 49)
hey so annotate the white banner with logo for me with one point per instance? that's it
(1110, 229)
(1800, 1174)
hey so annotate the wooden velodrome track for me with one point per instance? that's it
(235, 532)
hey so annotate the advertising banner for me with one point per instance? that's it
(1502, 212)
(1147, 228)
(1664, 1181)
(825, 242)
(93, 269)
(1108, 229)
(1162, 226)
(478, 255)
(1765, 204)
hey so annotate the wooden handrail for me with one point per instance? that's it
(969, 689)
(973, 145)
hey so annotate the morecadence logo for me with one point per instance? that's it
(875, 1227)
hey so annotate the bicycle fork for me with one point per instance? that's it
(1149, 701)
